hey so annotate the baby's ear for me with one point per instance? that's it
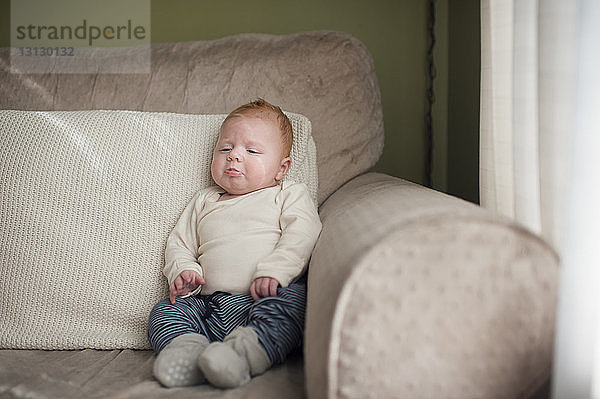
(284, 166)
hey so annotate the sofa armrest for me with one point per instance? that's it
(414, 293)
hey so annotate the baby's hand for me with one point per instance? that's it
(263, 287)
(186, 282)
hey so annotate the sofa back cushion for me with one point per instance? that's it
(327, 76)
(87, 200)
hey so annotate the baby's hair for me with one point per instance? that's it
(265, 111)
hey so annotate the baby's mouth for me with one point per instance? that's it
(232, 172)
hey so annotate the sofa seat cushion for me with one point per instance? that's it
(124, 374)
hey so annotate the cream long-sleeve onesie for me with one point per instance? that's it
(266, 233)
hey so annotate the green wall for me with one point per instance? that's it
(463, 98)
(395, 31)
(456, 106)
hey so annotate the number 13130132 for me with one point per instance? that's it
(47, 51)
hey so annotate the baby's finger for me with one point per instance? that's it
(198, 280)
(172, 295)
(191, 277)
(186, 278)
(178, 283)
(253, 291)
(273, 287)
(265, 287)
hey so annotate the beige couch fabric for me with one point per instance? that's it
(124, 374)
(327, 76)
(413, 293)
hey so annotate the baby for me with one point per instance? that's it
(234, 258)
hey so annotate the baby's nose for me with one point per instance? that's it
(235, 154)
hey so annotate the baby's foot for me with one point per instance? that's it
(177, 364)
(223, 367)
(232, 363)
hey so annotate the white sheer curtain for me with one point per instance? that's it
(527, 86)
(539, 156)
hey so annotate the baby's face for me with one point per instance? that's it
(247, 156)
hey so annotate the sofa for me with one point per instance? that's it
(412, 293)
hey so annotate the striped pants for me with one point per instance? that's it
(278, 321)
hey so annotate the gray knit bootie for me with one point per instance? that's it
(233, 362)
(177, 364)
